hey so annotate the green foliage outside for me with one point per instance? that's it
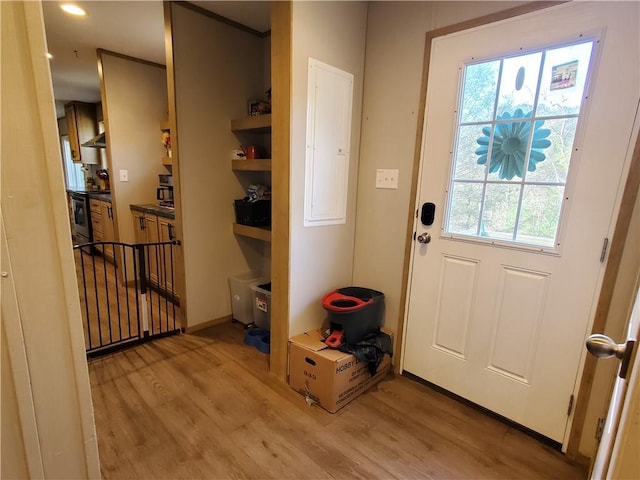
(540, 206)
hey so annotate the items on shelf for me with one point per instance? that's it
(250, 152)
(253, 213)
(258, 192)
(255, 208)
(260, 107)
(166, 142)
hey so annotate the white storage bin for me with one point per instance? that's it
(242, 297)
(262, 305)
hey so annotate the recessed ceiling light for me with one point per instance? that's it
(72, 9)
(49, 56)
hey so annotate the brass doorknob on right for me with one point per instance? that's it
(424, 238)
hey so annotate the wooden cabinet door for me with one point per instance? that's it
(145, 227)
(170, 258)
(108, 232)
(82, 125)
(153, 253)
(138, 227)
(70, 207)
(74, 143)
(96, 223)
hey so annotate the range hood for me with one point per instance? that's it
(96, 142)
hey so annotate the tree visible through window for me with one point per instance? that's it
(516, 128)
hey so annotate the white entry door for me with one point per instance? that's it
(525, 150)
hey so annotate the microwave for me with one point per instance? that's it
(165, 180)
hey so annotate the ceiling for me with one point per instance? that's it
(134, 28)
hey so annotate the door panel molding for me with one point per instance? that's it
(521, 296)
(458, 285)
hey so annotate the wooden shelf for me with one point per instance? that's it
(257, 124)
(167, 161)
(260, 233)
(258, 165)
(164, 125)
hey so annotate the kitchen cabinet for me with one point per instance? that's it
(253, 130)
(103, 229)
(70, 207)
(169, 268)
(162, 269)
(146, 231)
(82, 125)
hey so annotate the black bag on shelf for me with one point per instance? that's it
(255, 214)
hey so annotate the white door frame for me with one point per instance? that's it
(614, 452)
(616, 244)
(41, 315)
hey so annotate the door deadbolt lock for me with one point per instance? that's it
(424, 238)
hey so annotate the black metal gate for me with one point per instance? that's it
(127, 293)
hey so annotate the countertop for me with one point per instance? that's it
(155, 210)
(104, 195)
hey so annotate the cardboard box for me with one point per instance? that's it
(330, 377)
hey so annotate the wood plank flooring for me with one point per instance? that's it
(204, 406)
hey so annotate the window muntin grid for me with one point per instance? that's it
(515, 136)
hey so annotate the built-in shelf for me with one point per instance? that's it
(256, 124)
(167, 161)
(258, 165)
(164, 125)
(260, 233)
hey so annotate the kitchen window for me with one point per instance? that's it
(74, 176)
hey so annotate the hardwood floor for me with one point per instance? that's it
(204, 406)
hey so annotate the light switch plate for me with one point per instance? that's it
(124, 175)
(387, 178)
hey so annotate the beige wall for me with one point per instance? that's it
(134, 100)
(218, 68)
(393, 76)
(322, 257)
(51, 433)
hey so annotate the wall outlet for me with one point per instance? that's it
(124, 175)
(386, 178)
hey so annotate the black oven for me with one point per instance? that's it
(81, 218)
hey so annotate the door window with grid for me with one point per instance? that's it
(516, 127)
